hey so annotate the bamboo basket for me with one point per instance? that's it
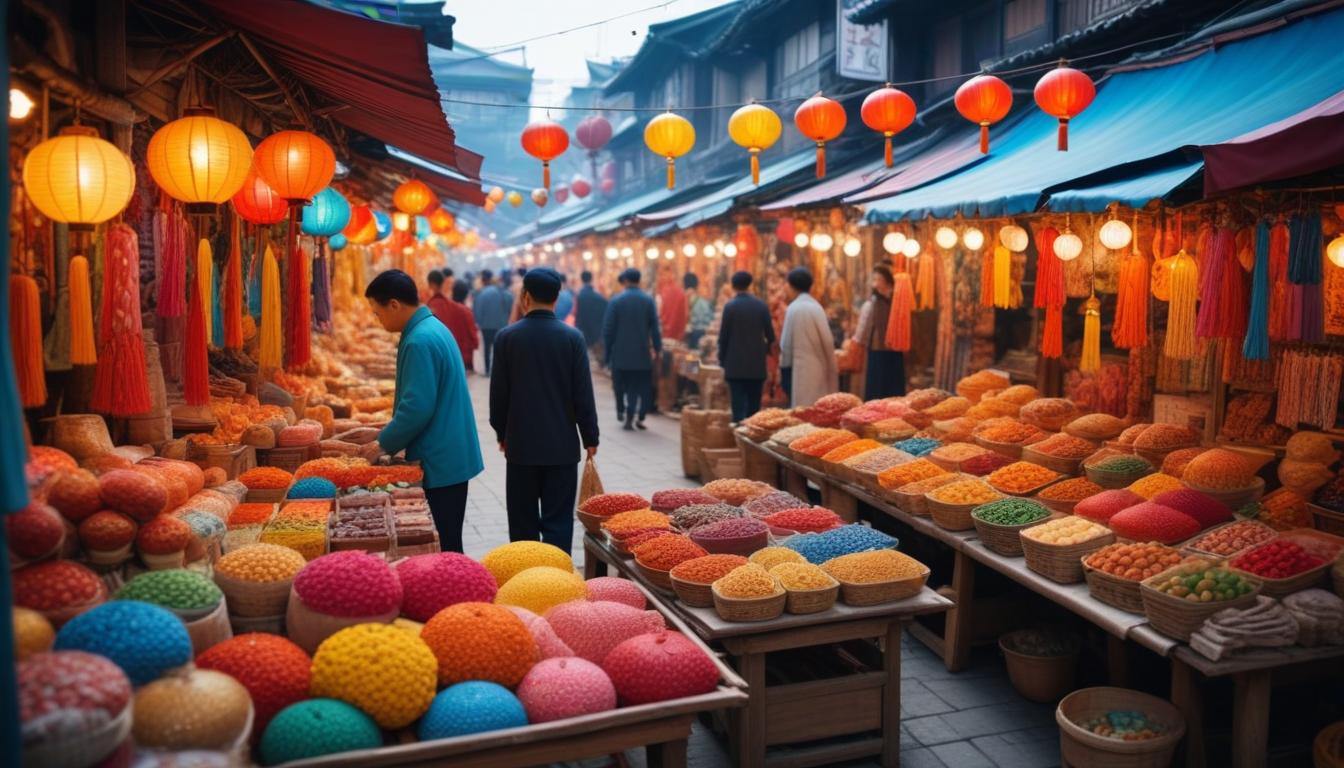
(274, 625)
(693, 594)
(1027, 493)
(1114, 480)
(254, 599)
(950, 465)
(1327, 520)
(952, 517)
(751, 609)
(1190, 549)
(1004, 539)
(308, 628)
(914, 503)
(212, 629)
(659, 579)
(741, 545)
(1011, 450)
(876, 593)
(92, 747)
(1279, 588)
(1237, 498)
(1060, 563)
(1151, 456)
(1112, 590)
(266, 495)
(804, 601)
(1179, 618)
(1064, 466)
(1079, 746)
(1056, 506)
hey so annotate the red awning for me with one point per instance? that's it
(376, 72)
(1307, 142)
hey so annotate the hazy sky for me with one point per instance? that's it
(558, 61)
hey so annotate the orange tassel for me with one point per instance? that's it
(671, 173)
(984, 138)
(886, 151)
(196, 358)
(83, 351)
(546, 174)
(1052, 337)
(898, 322)
(25, 335)
(925, 281)
(987, 277)
(1131, 305)
(755, 166)
(821, 160)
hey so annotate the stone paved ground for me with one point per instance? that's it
(966, 720)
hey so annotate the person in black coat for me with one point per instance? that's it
(746, 335)
(633, 341)
(590, 308)
(541, 405)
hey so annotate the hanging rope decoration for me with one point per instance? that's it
(1050, 292)
(205, 284)
(926, 280)
(233, 288)
(120, 383)
(898, 321)
(1091, 357)
(1130, 330)
(1003, 277)
(987, 277)
(83, 351)
(321, 289)
(196, 358)
(173, 234)
(1280, 292)
(1256, 344)
(1215, 314)
(1180, 342)
(1305, 273)
(271, 350)
(25, 336)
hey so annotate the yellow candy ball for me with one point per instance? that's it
(386, 671)
(513, 558)
(539, 589)
(32, 633)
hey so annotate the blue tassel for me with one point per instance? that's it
(1304, 251)
(217, 324)
(254, 291)
(1256, 345)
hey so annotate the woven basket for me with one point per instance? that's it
(693, 594)
(591, 523)
(308, 628)
(254, 599)
(1060, 563)
(658, 579)
(876, 593)
(1327, 750)
(950, 465)
(1190, 549)
(914, 503)
(1112, 590)
(91, 748)
(1004, 539)
(274, 625)
(1056, 506)
(289, 458)
(1114, 480)
(1153, 457)
(1237, 498)
(1278, 588)
(1011, 450)
(1179, 618)
(1027, 493)
(1064, 466)
(1327, 520)
(742, 545)
(751, 609)
(102, 559)
(952, 517)
(1079, 746)
(803, 601)
(210, 630)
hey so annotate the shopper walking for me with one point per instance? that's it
(672, 309)
(590, 308)
(701, 311)
(746, 335)
(884, 371)
(463, 326)
(807, 348)
(432, 418)
(564, 303)
(492, 313)
(541, 406)
(631, 336)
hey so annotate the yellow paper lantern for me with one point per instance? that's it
(515, 198)
(199, 159)
(496, 194)
(757, 128)
(670, 136)
(1335, 251)
(78, 178)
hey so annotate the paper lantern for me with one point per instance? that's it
(945, 237)
(892, 242)
(78, 178)
(822, 242)
(326, 215)
(821, 120)
(1068, 246)
(910, 248)
(608, 170)
(852, 247)
(800, 239)
(1014, 238)
(561, 193)
(422, 229)
(888, 111)
(1064, 93)
(199, 159)
(545, 140)
(609, 185)
(401, 221)
(296, 164)
(1115, 234)
(540, 197)
(669, 136)
(496, 194)
(757, 128)
(515, 198)
(489, 205)
(257, 203)
(338, 242)
(362, 227)
(580, 187)
(973, 238)
(984, 100)
(382, 222)
(414, 197)
(1335, 251)
(440, 221)
(593, 133)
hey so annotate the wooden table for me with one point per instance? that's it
(866, 700)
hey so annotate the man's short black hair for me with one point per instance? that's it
(543, 284)
(801, 279)
(885, 271)
(460, 291)
(447, 272)
(586, 277)
(741, 280)
(393, 285)
(522, 271)
(486, 275)
(435, 277)
(631, 276)
(689, 280)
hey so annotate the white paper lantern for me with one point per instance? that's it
(800, 239)
(852, 247)
(627, 251)
(1014, 238)
(711, 251)
(822, 242)
(1115, 234)
(892, 242)
(945, 237)
(612, 253)
(668, 254)
(910, 248)
(587, 255)
(730, 250)
(690, 250)
(1068, 246)
(973, 238)
(651, 252)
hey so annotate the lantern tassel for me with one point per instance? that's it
(25, 334)
(216, 308)
(671, 173)
(120, 383)
(233, 290)
(83, 351)
(925, 281)
(1130, 330)
(1280, 291)
(546, 174)
(1003, 279)
(1180, 342)
(205, 268)
(1052, 336)
(321, 290)
(270, 353)
(756, 166)
(898, 322)
(1256, 345)
(984, 138)
(173, 264)
(821, 159)
(1091, 358)
(987, 277)
(298, 351)
(886, 151)
(1063, 143)
(196, 359)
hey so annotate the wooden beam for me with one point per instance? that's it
(92, 99)
(173, 66)
(299, 114)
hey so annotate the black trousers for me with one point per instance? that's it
(540, 502)
(885, 374)
(745, 396)
(634, 392)
(488, 339)
(786, 381)
(448, 507)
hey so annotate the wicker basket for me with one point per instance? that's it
(1079, 746)
(952, 517)
(274, 625)
(1237, 498)
(803, 601)
(1279, 588)
(1064, 466)
(91, 748)
(1027, 493)
(1039, 678)
(1011, 450)
(1060, 563)
(1112, 590)
(1327, 520)
(212, 629)
(254, 599)
(1190, 548)
(950, 465)
(1114, 480)
(308, 628)
(914, 503)
(1004, 539)
(751, 609)
(1057, 506)
(289, 458)
(1179, 618)
(1151, 456)
(878, 592)
(693, 594)
(591, 523)
(266, 495)
(656, 578)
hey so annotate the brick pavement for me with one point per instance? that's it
(967, 720)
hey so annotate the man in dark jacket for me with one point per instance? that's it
(491, 308)
(590, 309)
(746, 335)
(631, 337)
(541, 404)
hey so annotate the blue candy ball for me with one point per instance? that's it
(471, 707)
(317, 727)
(313, 488)
(144, 640)
(817, 548)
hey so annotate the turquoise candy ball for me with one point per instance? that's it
(317, 727)
(471, 707)
(144, 640)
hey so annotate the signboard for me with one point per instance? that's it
(861, 49)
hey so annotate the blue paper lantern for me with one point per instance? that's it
(382, 221)
(422, 228)
(337, 242)
(327, 215)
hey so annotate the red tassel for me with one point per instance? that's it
(898, 322)
(821, 160)
(886, 151)
(1049, 271)
(546, 174)
(233, 290)
(298, 351)
(196, 358)
(1052, 338)
(174, 239)
(120, 384)
(987, 277)
(1063, 142)
(984, 138)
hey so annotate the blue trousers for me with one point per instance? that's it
(540, 503)
(634, 392)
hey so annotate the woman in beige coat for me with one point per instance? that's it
(807, 349)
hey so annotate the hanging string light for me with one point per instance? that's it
(1014, 238)
(756, 128)
(1068, 246)
(821, 120)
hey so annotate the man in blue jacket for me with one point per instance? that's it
(746, 334)
(432, 418)
(491, 308)
(589, 310)
(541, 405)
(633, 341)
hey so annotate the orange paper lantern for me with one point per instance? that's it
(888, 111)
(414, 197)
(1064, 93)
(545, 140)
(257, 203)
(984, 100)
(821, 120)
(441, 221)
(296, 164)
(361, 229)
(199, 159)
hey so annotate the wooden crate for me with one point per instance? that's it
(233, 459)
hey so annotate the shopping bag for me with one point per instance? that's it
(591, 485)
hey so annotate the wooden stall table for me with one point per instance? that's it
(777, 714)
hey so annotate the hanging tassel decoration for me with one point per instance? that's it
(321, 290)
(1256, 345)
(298, 332)
(233, 290)
(898, 322)
(986, 277)
(120, 383)
(926, 281)
(357, 282)
(1279, 290)
(1211, 266)
(173, 264)
(83, 351)
(1234, 293)
(1003, 278)
(25, 336)
(216, 313)
(1091, 359)
(1052, 336)
(1049, 271)
(270, 351)
(205, 268)
(1305, 270)
(196, 357)
(1180, 342)
(1130, 330)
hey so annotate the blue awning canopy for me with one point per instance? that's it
(1133, 191)
(1140, 114)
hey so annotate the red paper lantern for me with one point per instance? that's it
(441, 221)
(545, 140)
(593, 133)
(608, 170)
(296, 164)
(257, 203)
(984, 99)
(361, 229)
(1064, 93)
(561, 193)
(580, 187)
(821, 120)
(607, 186)
(414, 197)
(888, 111)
